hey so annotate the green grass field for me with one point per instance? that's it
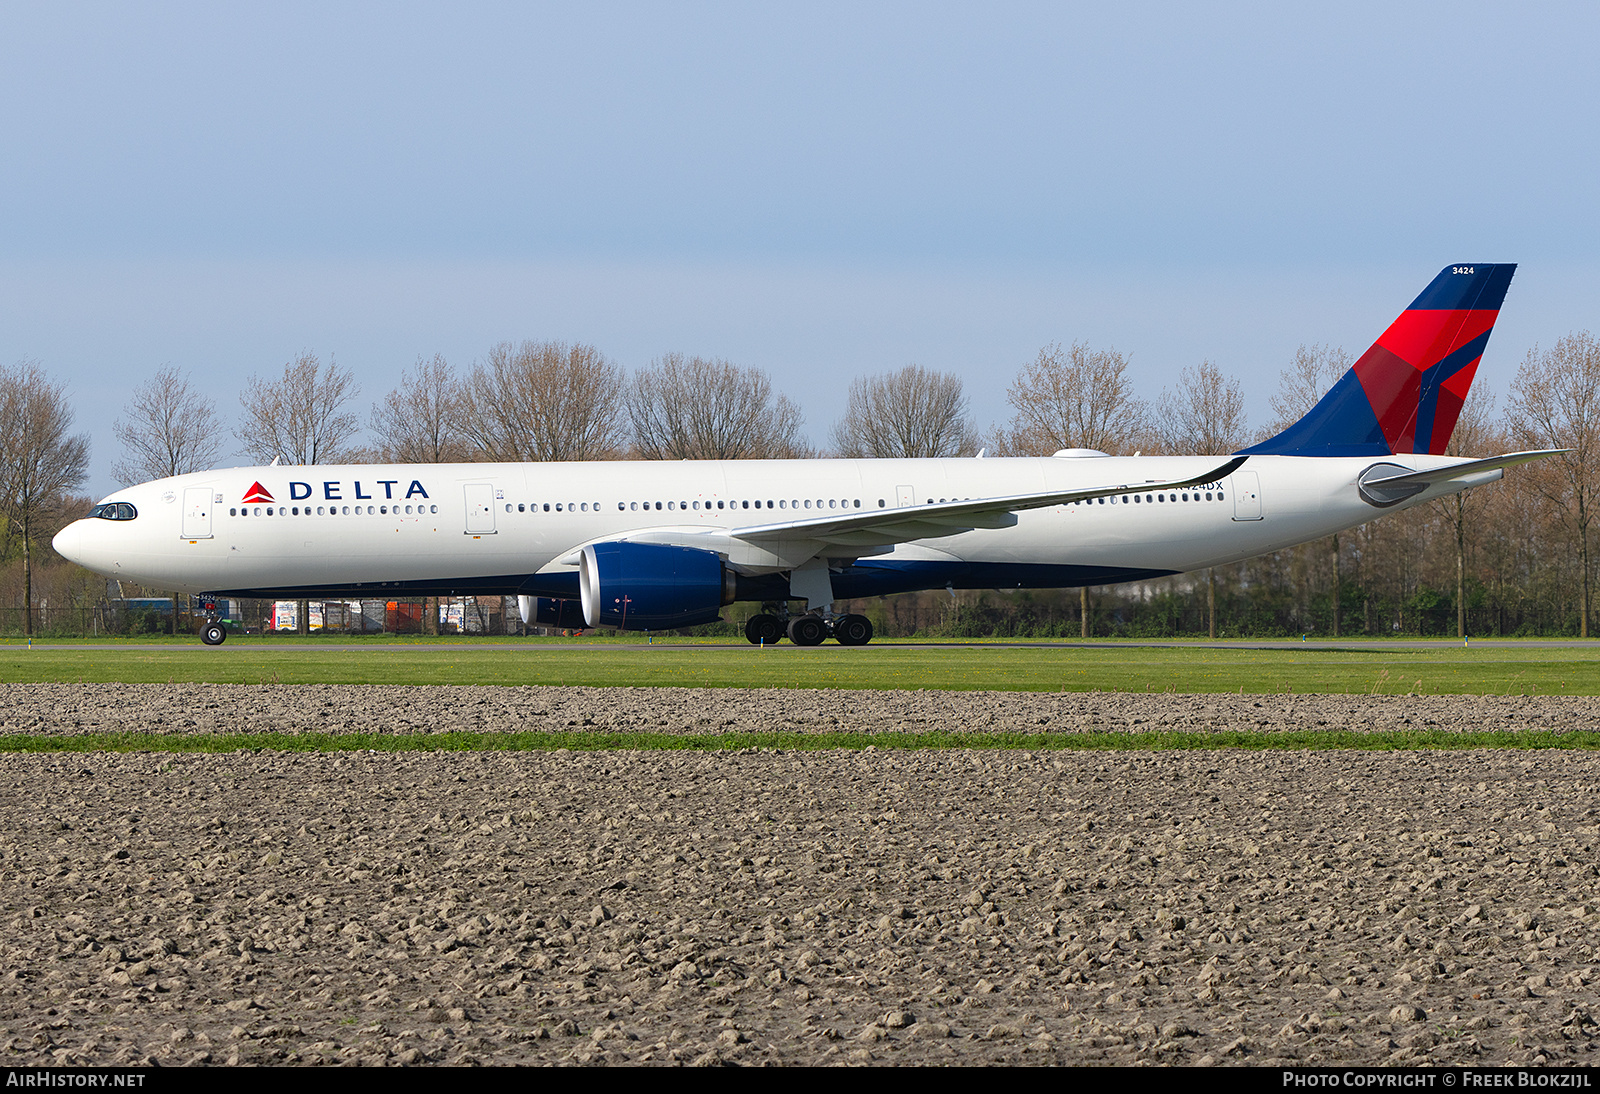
(1440, 670)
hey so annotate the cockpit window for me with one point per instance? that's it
(114, 510)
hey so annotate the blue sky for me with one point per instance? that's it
(822, 192)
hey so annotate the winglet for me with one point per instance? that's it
(1222, 472)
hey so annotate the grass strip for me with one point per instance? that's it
(1298, 740)
(1145, 670)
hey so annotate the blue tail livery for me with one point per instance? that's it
(1405, 393)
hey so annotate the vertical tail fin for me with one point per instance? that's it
(1404, 394)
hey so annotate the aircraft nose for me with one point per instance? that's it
(68, 542)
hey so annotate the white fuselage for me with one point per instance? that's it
(481, 527)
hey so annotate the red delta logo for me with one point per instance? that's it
(257, 492)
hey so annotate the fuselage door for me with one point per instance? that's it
(480, 509)
(197, 512)
(905, 495)
(1246, 487)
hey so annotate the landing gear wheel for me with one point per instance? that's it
(213, 634)
(807, 630)
(852, 630)
(763, 630)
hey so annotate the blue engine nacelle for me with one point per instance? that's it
(652, 586)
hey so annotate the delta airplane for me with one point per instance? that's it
(655, 545)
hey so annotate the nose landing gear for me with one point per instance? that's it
(213, 633)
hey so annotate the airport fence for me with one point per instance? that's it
(148, 616)
(1118, 613)
(1113, 614)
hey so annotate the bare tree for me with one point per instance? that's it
(1315, 369)
(1205, 416)
(914, 413)
(422, 420)
(1555, 403)
(1073, 398)
(39, 463)
(170, 429)
(1473, 436)
(302, 418)
(694, 408)
(545, 401)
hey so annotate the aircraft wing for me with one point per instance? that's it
(879, 527)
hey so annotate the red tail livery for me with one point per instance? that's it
(1405, 393)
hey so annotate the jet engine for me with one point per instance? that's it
(651, 586)
(566, 614)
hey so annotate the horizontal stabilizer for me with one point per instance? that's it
(1430, 477)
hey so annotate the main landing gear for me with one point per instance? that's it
(764, 629)
(769, 628)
